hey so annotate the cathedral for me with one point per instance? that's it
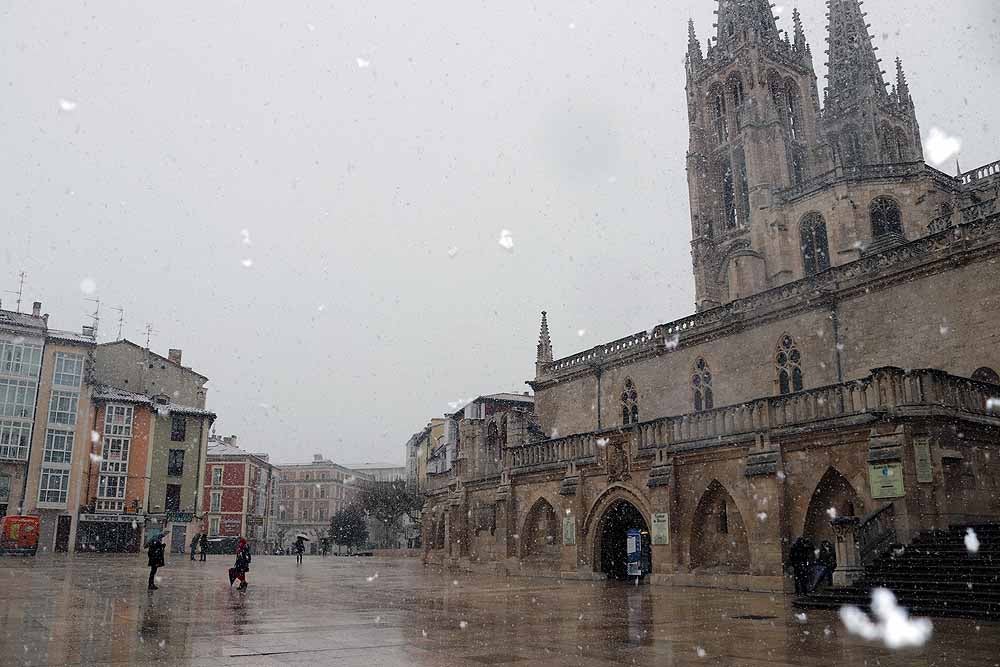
(837, 380)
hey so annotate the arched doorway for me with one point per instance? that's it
(833, 491)
(718, 534)
(540, 536)
(611, 537)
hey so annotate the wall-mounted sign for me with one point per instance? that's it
(569, 531)
(255, 521)
(660, 532)
(180, 517)
(886, 480)
(109, 518)
(922, 457)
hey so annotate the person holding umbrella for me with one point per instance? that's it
(242, 566)
(194, 545)
(300, 547)
(203, 540)
(154, 546)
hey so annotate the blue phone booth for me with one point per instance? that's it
(633, 552)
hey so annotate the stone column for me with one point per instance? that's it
(849, 567)
(767, 513)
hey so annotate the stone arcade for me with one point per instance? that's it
(840, 362)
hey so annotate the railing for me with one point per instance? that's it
(852, 173)
(635, 341)
(991, 169)
(876, 532)
(884, 390)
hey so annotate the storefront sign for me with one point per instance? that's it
(569, 531)
(922, 457)
(255, 521)
(886, 480)
(180, 517)
(110, 518)
(231, 525)
(661, 528)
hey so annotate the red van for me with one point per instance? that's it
(19, 535)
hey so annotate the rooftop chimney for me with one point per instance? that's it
(87, 331)
(36, 309)
(317, 458)
(174, 355)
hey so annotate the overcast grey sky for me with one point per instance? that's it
(374, 151)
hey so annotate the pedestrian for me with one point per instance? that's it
(194, 545)
(204, 546)
(155, 549)
(799, 558)
(300, 548)
(242, 566)
(828, 559)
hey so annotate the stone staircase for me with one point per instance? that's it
(935, 575)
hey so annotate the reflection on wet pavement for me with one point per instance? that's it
(95, 609)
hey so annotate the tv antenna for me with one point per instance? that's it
(149, 333)
(20, 289)
(96, 317)
(121, 320)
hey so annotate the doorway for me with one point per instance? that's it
(612, 534)
(63, 525)
(178, 538)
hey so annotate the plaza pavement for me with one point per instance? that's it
(95, 609)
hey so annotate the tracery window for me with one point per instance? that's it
(492, 438)
(729, 197)
(787, 361)
(719, 114)
(701, 385)
(986, 374)
(630, 403)
(815, 249)
(792, 109)
(886, 218)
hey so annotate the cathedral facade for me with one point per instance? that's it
(840, 363)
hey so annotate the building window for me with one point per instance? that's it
(815, 249)
(719, 115)
(68, 370)
(215, 503)
(175, 463)
(178, 428)
(17, 398)
(986, 374)
(743, 189)
(62, 408)
(14, 438)
(118, 420)
(217, 476)
(723, 518)
(492, 438)
(213, 525)
(20, 359)
(787, 362)
(173, 500)
(4, 488)
(886, 217)
(792, 109)
(111, 487)
(701, 384)
(58, 447)
(729, 196)
(630, 403)
(736, 92)
(53, 485)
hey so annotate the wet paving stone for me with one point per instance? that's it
(86, 610)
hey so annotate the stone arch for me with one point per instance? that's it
(592, 527)
(814, 244)
(540, 532)
(986, 374)
(835, 491)
(743, 273)
(718, 534)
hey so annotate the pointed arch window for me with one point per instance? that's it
(986, 374)
(787, 361)
(815, 249)
(743, 189)
(791, 103)
(630, 403)
(701, 385)
(718, 100)
(850, 149)
(886, 218)
(735, 85)
(492, 441)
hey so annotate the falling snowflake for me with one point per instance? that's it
(321, 307)
(463, 624)
(310, 27)
(700, 652)
(993, 404)
(762, 516)
(892, 624)
(971, 541)
(672, 342)
(801, 618)
(602, 442)
(163, 642)
(939, 147)
(88, 285)
(247, 262)
(372, 578)
(424, 633)
(96, 458)
(569, 511)
(67, 105)
(506, 241)
(245, 233)
(832, 511)
(452, 251)
(362, 63)
(581, 332)
(780, 474)
(943, 329)
(95, 437)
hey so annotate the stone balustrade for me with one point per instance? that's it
(885, 390)
(978, 174)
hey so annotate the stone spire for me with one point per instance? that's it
(799, 42)
(902, 88)
(733, 17)
(694, 58)
(544, 344)
(855, 74)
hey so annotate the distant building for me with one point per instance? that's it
(239, 492)
(308, 495)
(380, 472)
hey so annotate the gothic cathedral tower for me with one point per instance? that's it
(757, 133)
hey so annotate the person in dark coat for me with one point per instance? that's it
(800, 557)
(828, 559)
(155, 548)
(242, 566)
(300, 548)
(203, 540)
(194, 545)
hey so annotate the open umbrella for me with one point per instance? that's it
(154, 535)
(300, 536)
